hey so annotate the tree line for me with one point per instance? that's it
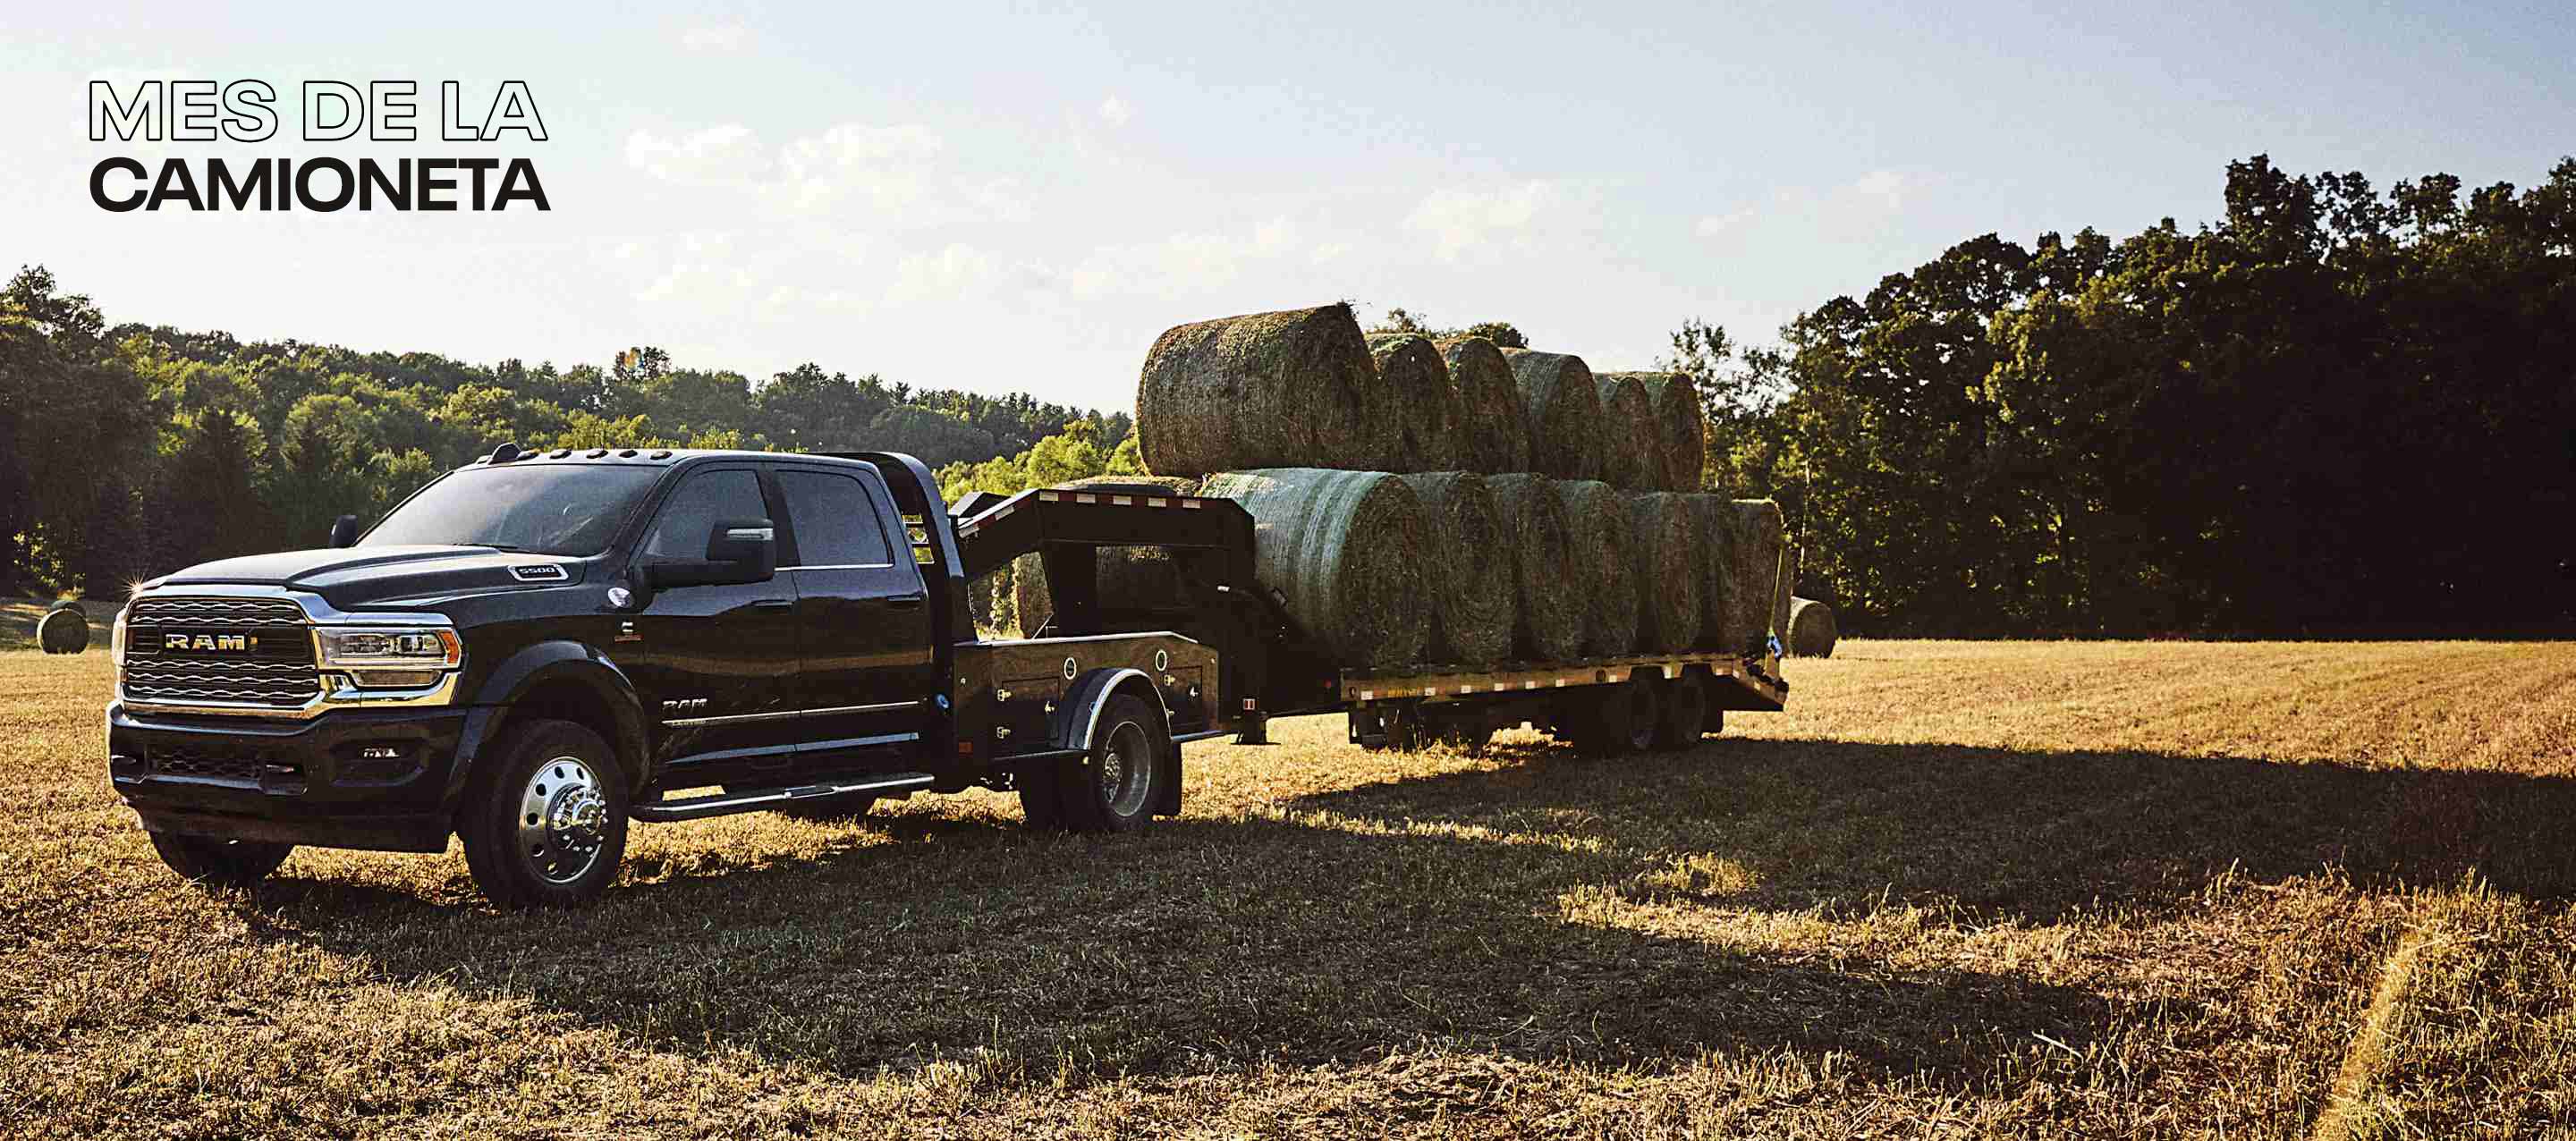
(2335, 409)
(128, 451)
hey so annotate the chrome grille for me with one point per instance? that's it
(213, 612)
(272, 667)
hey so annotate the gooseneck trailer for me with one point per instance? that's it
(540, 647)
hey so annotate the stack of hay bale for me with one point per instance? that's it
(1452, 502)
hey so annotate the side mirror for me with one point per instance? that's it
(738, 551)
(344, 531)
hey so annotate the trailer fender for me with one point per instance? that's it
(1078, 718)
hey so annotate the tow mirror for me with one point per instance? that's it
(738, 551)
(344, 531)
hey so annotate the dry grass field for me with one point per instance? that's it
(1961, 890)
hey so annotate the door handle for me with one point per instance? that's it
(904, 601)
(774, 604)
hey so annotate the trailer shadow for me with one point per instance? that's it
(2024, 834)
(1471, 911)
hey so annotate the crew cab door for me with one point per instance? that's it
(861, 617)
(711, 663)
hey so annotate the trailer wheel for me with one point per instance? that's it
(1464, 736)
(1112, 788)
(544, 819)
(224, 863)
(1685, 710)
(1619, 720)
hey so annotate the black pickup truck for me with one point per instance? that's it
(538, 648)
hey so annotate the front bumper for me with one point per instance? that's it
(370, 779)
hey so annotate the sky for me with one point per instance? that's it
(1021, 197)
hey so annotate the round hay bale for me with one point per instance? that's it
(1562, 409)
(1753, 570)
(1548, 626)
(1662, 542)
(1261, 390)
(1343, 551)
(63, 630)
(1679, 426)
(1631, 453)
(1492, 428)
(1126, 576)
(1470, 584)
(1812, 632)
(1711, 550)
(1415, 392)
(1604, 568)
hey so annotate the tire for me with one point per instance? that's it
(1685, 701)
(1113, 788)
(1470, 739)
(220, 863)
(1619, 720)
(544, 819)
(1645, 713)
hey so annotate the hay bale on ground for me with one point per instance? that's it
(1662, 546)
(1603, 570)
(1711, 555)
(1261, 390)
(1493, 429)
(1124, 576)
(1754, 540)
(1469, 580)
(1631, 452)
(1343, 550)
(63, 630)
(1562, 409)
(1415, 391)
(1812, 632)
(1548, 623)
(1680, 428)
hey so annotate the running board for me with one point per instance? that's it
(759, 800)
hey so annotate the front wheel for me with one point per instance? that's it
(544, 821)
(1113, 787)
(224, 863)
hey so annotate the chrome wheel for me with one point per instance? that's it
(1127, 769)
(563, 819)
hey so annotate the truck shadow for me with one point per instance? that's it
(1554, 909)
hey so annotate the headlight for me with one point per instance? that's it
(116, 639)
(411, 648)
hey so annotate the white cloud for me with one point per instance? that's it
(700, 265)
(1887, 186)
(948, 274)
(1177, 265)
(715, 37)
(712, 157)
(1458, 220)
(1716, 224)
(886, 167)
(1115, 111)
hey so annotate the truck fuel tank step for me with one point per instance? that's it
(763, 799)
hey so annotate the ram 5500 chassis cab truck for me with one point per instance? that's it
(538, 648)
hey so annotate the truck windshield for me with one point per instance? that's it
(556, 509)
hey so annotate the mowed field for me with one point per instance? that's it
(1961, 889)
